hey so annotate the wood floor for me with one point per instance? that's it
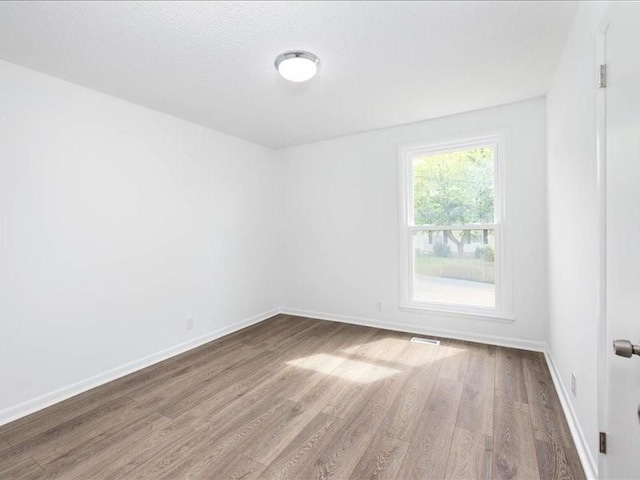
(295, 398)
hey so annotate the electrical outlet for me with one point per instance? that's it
(380, 306)
(574, 384)
(189, 323)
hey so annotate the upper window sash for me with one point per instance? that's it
(409, 154)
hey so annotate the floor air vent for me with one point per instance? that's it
(425, 341)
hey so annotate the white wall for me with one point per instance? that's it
(118, 223)
(341, 191)
(573, 217)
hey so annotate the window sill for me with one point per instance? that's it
(491, 317)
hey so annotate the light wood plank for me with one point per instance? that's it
(400, 420)
(119, 461)
(241, 468)
(476, 405)
(233, 468)
(171, 459)
(558, 463)
(104, 448)
(341, 448)
(514, 453)
(93, 432)
(4, 445)
(382, 459)
(286, 424)
(300, 453)
(469, 457)
(26, 469)
(327, 363)
(429, 446)
(547, 416)
(69, 435)
(456, 360)
(510, 376)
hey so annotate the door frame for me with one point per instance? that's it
(601, 155)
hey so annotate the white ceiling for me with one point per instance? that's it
(383, 63)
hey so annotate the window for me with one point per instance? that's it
(451, 230)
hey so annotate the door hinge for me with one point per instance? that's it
(602, 83)
(603, 442)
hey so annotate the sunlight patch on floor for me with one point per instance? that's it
(352, 370)
(416, 354)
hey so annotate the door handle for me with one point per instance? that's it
(624, 348)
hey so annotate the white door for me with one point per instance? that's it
(622, 54)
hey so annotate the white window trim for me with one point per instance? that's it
(503, 310)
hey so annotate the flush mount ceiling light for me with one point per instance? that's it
(297, 65)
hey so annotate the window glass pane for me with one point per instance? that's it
(452, 188)
(455, 267)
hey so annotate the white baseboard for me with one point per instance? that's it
(30, 406)
(589, 463)
(403, 327)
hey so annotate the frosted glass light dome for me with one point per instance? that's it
(297, 66)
